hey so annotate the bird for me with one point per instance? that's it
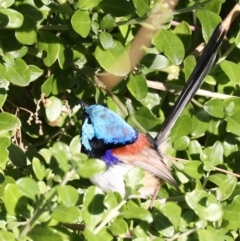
(108, 137)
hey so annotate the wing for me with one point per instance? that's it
(142, 154)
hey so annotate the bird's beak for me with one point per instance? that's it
(83, 104)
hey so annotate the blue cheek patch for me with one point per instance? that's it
(109, 158)
(87, 134)
(108, 126)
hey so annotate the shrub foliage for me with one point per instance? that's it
(54, 52)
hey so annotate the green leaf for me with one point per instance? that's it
(155, 61)
(6, 4)
(138, 213)
(119, 227)
(6, 236)
(189, 64)
(209, 20)
(232, 214)
(107, 22)
(215, 108)
(17, 156)
(10, 18)
(39, 233)
(237, 40)
(12, 195)
(3, 96)
(65, 57)
(183, 31)
(194, 147)
(27, 33)
(194, 169)
(226, 188)
(200, 123)
(18, 73)
(93, 208)
(169, 43)
(91, 167)
(4, 143)
(66, 214)
(137, 85)
(173, 212)
(48, 42)
(35, 72)
(141, 6)
(86, 4)
(182, 127)
(232, 70)
(146, 118)
(68, 195)
(28, 187)
(38, 168)
(181, 143)
(111, 200)
(47, 85)
(81, 23)
(53, 108)
(212, 156)
(114, 60)
(106, 40)
(233, 124)
(210, 234)
(119, 8)
(75, 145)
(133, 181)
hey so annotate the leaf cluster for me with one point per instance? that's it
(54, 52)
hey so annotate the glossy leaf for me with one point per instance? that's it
(231, 70)
(182, 127)
(68, 195)
(18, 73)
(106, 40)
(146, 118)
(194, 169)
(141, 6)
(10, 18)
(173, 212)
(28, 187)
(207, 27)
(39, 233)
(27, 33)
(53, 108)
(215, 108)
(17, 156)
(114, 60)
(92, 212)
(66, 214)
(91, 167)
(119, 227)
(4, 143)
(49, 43)
(38, 168)
(81, 23)
(226, 188)
(85, 4)
(137, 85)
(168, 43)
(138, 213)
(155, 61)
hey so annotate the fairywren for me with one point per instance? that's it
(106, 136)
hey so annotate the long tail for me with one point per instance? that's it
(202, 68)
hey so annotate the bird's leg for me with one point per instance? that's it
(154, 197)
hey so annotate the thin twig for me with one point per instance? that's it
(176, 89)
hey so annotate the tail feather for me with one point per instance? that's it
(194, 82)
